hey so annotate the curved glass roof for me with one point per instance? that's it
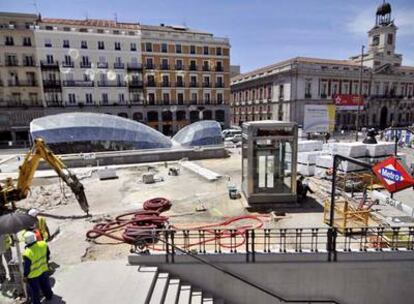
(200, 133)
(81, 127)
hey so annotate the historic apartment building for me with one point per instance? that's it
(280, 91)
(164, 76)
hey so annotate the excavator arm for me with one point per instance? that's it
(39, 151)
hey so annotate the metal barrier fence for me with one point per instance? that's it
(286, 240)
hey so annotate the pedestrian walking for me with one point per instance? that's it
(6, 244)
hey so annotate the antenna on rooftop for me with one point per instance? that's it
(116, 17)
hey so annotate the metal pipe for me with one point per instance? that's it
(360, 91)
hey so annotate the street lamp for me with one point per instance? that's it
(360, 91)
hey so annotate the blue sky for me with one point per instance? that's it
(261, 32)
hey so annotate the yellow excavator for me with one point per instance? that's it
(10, 193)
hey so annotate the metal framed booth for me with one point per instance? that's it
(269, 154)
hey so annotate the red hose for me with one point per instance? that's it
(138, 227)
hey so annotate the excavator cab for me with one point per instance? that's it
(10, 193)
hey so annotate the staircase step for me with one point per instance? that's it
(185, 294)
(208, 300)
(160, 289)
(172, 292)
(196, 297)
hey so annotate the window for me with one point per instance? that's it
(205, 50)
(48, 42)
(345, 88)
(84, 44)
(149, 64)
(192, 49)
(66, 29)
(375, 40)
(179, 64)
(193, 66)
(117, 46)
(206, 82)
(165, 80)
(166, 98)
(334, 90)
(28, 61)
(72, 98)
(151, 98)
(219, 67)
(151, 80)
(9, 40)
(218, 51)
(121, 98)
(88, 98)
(206, 66)
(219, 98)
(324, 89)
(390, 39)
(68, 60)
(180, 98)
(193, 81)
(180, 82)
(148, 47)
(164, 64)
(66, 43)
(178, 48)
(164, 48)
(133, 46)
(207, 98)
(101, 45)
(27, 41)
(194, 98)
(219, 83)
(308, 89)
(49, 58)
(104, 98)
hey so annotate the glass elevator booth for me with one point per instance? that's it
(269, 154)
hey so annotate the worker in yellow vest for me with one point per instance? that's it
(35, 264)
(5, 250)
(41, 224)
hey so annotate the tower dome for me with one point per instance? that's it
(384, 9)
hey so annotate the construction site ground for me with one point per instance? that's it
(188, 193)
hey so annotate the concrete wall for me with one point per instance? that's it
(138, 156)
(356, 278)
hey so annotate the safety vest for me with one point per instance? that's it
(37, 254)
(42, 228)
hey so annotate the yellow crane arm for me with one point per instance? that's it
(28, 168)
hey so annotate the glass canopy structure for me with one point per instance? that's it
(87, 132)
(201, 133)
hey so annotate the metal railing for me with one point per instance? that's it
(285, 240)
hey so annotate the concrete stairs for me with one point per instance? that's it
(108, 282)
(168, 290)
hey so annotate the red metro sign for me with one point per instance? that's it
(348, 101)
(392, 174)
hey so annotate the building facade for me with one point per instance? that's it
(164, 76)
(280, 91)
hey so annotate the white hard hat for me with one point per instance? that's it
(29, 238)
(33, 212)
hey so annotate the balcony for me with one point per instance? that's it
(308, 96)
(51, 84)
(29, 63)
(179, 84)
(12, 62)
(206, 68)
(134, 66)
(193, 84)
(219, 85)
(85, 65)
(20, 83)
(78, 83)
(119, 65)
(323, 95)
(9, 43)
(107, 83)
(165, 84)
(219, 68)
(27, 44)
(179, 67)
(54, 103)
(135, 84)
(102, 65)
(150, 66)
(206, 85)
(49, 64)
(164, 67)
(192, 68)
(151, 84)
(68, 64)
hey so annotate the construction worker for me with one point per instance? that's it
(41, 224)
(302, 188)
(6, 243)
(35, 264)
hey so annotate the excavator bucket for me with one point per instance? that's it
(79, 191)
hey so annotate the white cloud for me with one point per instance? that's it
(363, 20)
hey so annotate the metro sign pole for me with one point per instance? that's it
(360, 91)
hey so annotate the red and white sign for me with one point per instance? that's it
(392, 174)
(348, 101)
